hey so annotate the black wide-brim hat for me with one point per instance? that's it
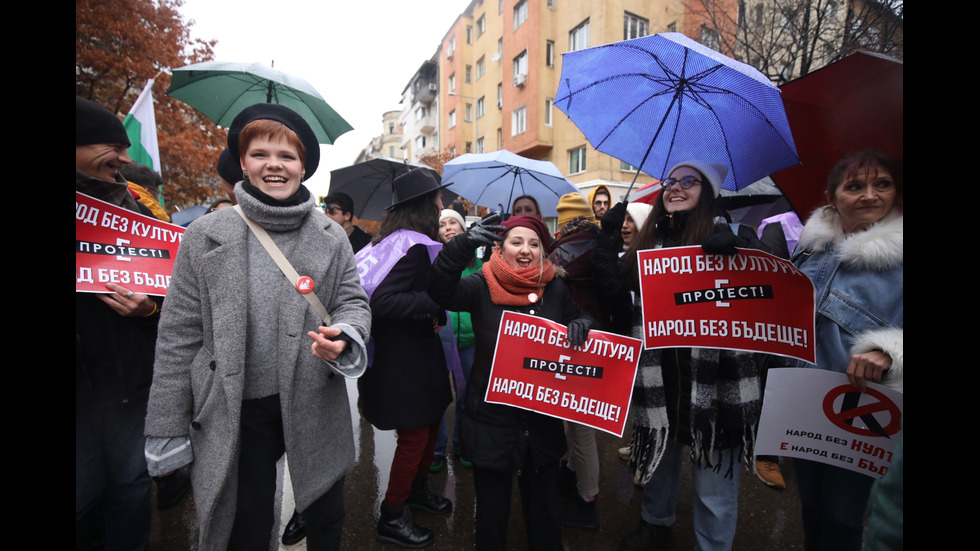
(285, 115)
(414, 184)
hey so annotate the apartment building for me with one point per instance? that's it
(389, 143)
(499, 67)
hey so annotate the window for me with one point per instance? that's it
(518, 121)
(500, 6)
(672, 27)
(469, 112)
(634, 26)
(452, 119)
(391, 151)
(710, 38)
(549, 53)
(500, 48)
(481, 67)
(500, 138)
(481, 26)
(420, 142)
(500, 95)
(479, 145)
(391, 128)
(420, 113)
(551, 4)
(452, 151)
(576, 160)
(469, 34)
(548, 102)
(469, 147)
(520, 13)
(481, 107)
(451, 48)
(578, 38)
(469, 72)
(452, 82)
(520, 66)
(626, 167)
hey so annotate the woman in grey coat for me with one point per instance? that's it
(245, 366)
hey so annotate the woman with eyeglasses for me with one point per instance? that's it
(707, 400)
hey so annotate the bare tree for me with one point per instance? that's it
(786, 39)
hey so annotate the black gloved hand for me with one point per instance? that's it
(485, 232)
(578, 331)
(722, 243)
(611, 236)
(612, 220)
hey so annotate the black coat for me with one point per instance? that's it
(407, 384)
(496, 436)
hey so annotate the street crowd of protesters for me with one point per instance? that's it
(235, 368)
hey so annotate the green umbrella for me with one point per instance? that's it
(220, 90)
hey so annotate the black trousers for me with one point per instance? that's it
(539, 500)
(262, 445)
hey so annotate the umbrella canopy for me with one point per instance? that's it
(856, 103)
(220, 90)
(369, 184)
(188, 215)
(495, 179)
(662, 99)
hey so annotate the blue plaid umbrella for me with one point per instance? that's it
(662, 99)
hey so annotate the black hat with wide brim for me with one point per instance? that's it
(414, 184)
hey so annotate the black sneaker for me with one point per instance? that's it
(648, 537)
(399, 529)
(295, 530)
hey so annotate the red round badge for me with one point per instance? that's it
(304, 284)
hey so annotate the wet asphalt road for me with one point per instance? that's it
(768, 519)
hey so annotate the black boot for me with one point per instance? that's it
(579, 513)
(399, 529)
(295, 531)
(648, 537)
(423, 498)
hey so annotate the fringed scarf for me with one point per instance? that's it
(511, 286)
(726, 402)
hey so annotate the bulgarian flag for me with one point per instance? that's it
(141, 126)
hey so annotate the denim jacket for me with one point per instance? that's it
(858, 281)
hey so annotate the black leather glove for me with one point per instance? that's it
(578, 331)
(485, 232)
(611, 236)
(722, 243)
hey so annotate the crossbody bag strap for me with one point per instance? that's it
(284, 265)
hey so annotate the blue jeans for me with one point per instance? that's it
(715, 497)
(111, 476)
(466, 361)
(833, 503)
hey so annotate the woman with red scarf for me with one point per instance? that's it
(504, 441)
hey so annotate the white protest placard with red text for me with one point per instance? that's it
(749, 301)
(818, 415)
(116, 245)
(536, 368)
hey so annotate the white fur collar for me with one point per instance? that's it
(880, 247)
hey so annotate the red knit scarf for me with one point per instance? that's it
(511, 286)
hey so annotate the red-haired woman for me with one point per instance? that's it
(245, 365)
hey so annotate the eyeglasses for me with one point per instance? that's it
(332, 208)
(686, 182)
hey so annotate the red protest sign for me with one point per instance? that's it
(535, 368)
(751, 301)
(116, 245)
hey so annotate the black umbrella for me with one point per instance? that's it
(369, 184)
